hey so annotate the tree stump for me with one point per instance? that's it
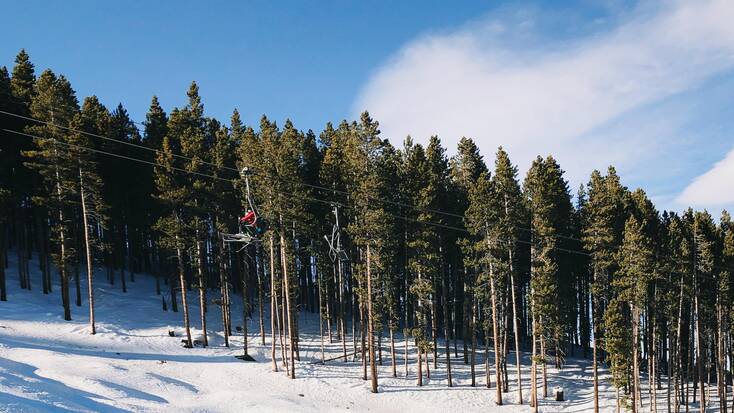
(559, 394)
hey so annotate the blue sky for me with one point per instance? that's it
(647, 86)
(288, 59)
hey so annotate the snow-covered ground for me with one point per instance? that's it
(131, 364)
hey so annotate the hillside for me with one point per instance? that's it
(131, 364)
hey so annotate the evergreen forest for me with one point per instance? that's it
(377, 241)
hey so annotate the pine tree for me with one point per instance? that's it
(172, 194)
(333, 174)
(190, 127)
(466, 167)
(510, 211)
(550, 211)
(23, 182)
(483, 223)
(437, 191)
(156, 124)
(54, 160)
(704, 300)
(155, 130)
(636, 258)
(23, 78)
(371, 222)
(420, 261)
(602, 234)
(279, 177)
(643, 209)
(93, 119)
(224, 206)
(725, 295)
(121, 185)
(6, 156)
(390, 265)
(677, 259)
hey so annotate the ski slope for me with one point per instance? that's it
(131, 364)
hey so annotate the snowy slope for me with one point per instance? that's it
(131, 364)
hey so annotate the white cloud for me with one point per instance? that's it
(713, 188)
(555, 97)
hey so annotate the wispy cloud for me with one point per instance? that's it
(501, 83)
(713, 188)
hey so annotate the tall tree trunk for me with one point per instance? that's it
(202, 289)
(121, 255)
(406, 338)
(63, 270)
(653, 361)
(596, 367)
(420, 366)
(487, 370)
(668, 365)
(393, 359)
(260, 299)
(77, 283)
(720, 360)
(184, 303)
(597, 320)
(223, 287)
(516, 329)
(434, 330)
(321, 317)
(428, 368)
(446, 326)
(47, 256)
(370, 324)
(284, 342)
(473, 333)
(636, 393)
(504, 339)
(172, 287)
(42, 254)
(466, 321)
(21, 245)
(342, 311)
(679, 353)
(533, 369)
(288, 309)
(41, 250)
(362, 337)
(3, 252)
(245, 303)
(495, 334)
(543, 358)
(88, 250)
(273, 303)
(353, 306)
(699, 355)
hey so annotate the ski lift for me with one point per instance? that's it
(335, 246)
(249, 226)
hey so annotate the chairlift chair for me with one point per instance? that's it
(247, 232)
(335, 249)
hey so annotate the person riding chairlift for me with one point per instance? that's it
(250, 222)
(249, 218)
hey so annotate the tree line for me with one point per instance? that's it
(456, 254)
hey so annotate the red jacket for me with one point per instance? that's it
(249, 218)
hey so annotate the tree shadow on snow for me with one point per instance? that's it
(47, 394)
(68, 349)
(130, 392)
(174, 382)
